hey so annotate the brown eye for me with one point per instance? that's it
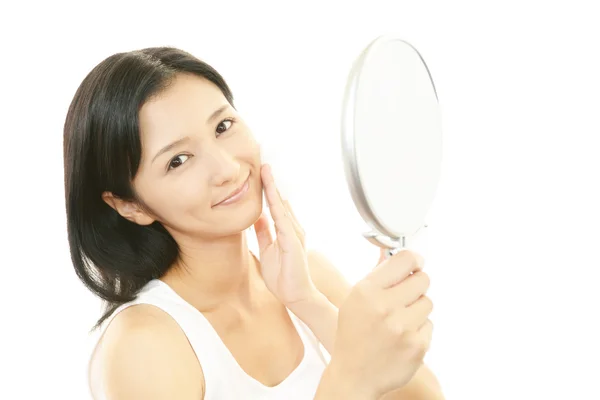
(177, 161)
(224, 126)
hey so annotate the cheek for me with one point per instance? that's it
(173, 198)
(192, 192)
(248, 150)
(252, 152)
(245, 145)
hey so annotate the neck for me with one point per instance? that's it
(209, 274)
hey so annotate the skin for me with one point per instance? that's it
(181, 186)
(216, 273)
(332, 284)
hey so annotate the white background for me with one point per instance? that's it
(513, 234)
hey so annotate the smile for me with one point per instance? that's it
(236, 195)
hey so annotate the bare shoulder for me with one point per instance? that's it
(146, 355)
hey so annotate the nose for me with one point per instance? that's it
(225, 169)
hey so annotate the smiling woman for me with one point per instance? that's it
(152, 142)
(162, 179)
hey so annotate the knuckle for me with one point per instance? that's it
(394, 327)
(421, 351)
(417, 347)
(411, 342)
(428, 304)
(381, 309)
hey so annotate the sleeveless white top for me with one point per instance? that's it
(223, 376)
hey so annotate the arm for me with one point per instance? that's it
(320, 314)
(335, 385)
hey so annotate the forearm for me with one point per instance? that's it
(423, 386)
(335, 384)
(321, 316)
(421, 392)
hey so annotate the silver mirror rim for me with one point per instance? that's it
(347, 137)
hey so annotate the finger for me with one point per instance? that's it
(409, 290)
(395, 269)
(283, 224)
(297, 227)
(263, 233)
(425, 333)
(288, 207)
(418, 313)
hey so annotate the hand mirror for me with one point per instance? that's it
(391, 141)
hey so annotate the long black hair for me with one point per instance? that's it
(114, 257)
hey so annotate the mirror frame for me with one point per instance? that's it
(380, 235)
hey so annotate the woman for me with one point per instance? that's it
(162, 179)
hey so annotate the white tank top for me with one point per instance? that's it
(223, 376)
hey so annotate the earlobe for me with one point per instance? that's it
(127, 209)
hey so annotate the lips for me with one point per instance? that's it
(235, 194)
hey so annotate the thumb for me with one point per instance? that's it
(263, 233)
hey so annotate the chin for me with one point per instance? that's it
(250, 214)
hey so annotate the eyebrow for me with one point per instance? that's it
(178, 142)
(218, 112)
(170, 147)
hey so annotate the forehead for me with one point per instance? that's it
(182, 108)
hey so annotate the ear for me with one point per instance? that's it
(127, 209)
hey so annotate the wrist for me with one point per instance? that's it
(314, 300)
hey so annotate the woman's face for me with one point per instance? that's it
(196, 152)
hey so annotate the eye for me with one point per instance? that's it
(177, 161)
(224, 126)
